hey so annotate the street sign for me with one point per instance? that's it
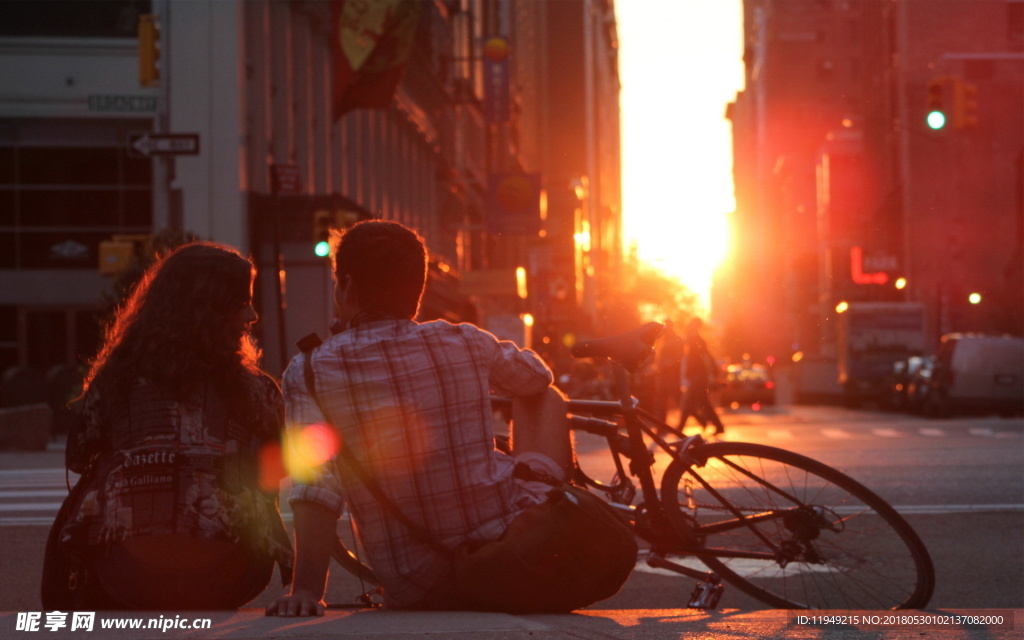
(164, 144)
(285, 179)
(122, 103)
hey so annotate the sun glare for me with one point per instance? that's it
(681, 64)
(689, 251)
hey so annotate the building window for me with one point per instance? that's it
(57, 203)
(72, 18)
(1015, 21)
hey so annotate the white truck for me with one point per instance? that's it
(872, 337)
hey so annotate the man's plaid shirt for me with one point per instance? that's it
(411, 402)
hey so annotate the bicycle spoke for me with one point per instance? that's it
(837, 544)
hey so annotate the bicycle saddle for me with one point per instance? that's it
(628, 349)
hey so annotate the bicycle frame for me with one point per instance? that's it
(595, 416)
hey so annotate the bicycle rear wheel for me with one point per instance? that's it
(351, 563)
(824, 540)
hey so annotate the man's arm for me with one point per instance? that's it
(314, 539)
(315, 522)
(517, 372)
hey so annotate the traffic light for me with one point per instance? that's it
(149, 50)
(323, 222)
(117, 254)
(965, 104)
(937, 111)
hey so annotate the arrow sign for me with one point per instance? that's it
(164, 144)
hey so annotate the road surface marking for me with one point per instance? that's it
(888, 433)
(780, 434)
(931, 433)
(836, 433)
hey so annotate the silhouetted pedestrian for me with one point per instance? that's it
(699, 370)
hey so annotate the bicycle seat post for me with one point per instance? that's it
(622, 390)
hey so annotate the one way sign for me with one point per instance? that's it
(163, 144)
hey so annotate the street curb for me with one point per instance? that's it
(611, 624)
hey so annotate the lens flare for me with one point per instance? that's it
(271, 470)
(307, 448)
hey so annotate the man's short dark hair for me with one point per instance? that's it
(387, 262)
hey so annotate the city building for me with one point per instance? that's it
(845, 193)
(124, 118)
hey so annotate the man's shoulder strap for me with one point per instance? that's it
(306, 345)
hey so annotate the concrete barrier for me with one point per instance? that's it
(25, 428)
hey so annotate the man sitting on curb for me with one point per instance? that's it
(410, 401)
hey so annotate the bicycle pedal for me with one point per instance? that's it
(705, 595)
(370, 600)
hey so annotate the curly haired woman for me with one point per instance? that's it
(178, 440)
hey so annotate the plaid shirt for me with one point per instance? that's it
(411, 402)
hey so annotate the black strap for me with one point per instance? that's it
(307, 345)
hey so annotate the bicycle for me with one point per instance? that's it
(781, 527)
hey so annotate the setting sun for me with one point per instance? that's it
(681, 64)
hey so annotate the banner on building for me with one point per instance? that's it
(370, 40)
(513, 203)
(496, 80)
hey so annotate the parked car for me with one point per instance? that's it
(747, 384)
(919, 385)
(977, 374)
(902, 377)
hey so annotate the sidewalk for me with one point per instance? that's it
(642, 624)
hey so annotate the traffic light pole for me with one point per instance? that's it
(163, 168)
(279, 283)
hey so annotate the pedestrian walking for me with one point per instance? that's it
(699, 373)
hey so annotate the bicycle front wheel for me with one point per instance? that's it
(795, 533)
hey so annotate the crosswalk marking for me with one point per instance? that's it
(32, 497)
(33, 506)
(931, 433)
(34, 493)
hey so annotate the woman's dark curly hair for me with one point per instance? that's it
(180, 327)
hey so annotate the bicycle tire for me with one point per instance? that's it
(851, 551)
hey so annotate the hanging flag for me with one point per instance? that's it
(371, 40)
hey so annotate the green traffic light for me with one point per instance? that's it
(322, 249)
(936, 120)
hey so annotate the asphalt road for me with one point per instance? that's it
(959, 482)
